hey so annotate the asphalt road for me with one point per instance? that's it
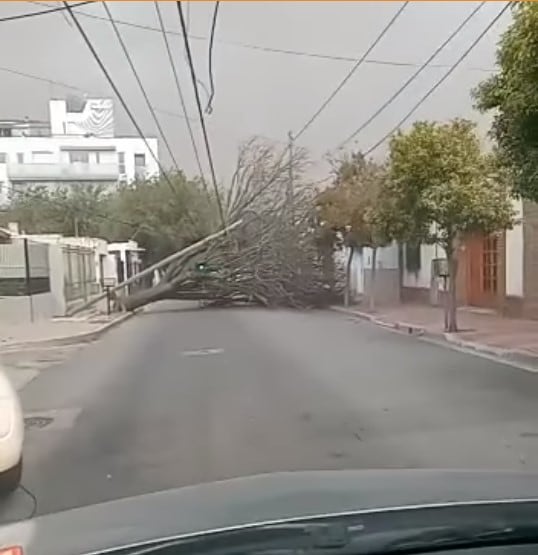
(176, 397)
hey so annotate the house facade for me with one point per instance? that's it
(497, 272)
(76, 147)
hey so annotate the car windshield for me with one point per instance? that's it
(263, 261)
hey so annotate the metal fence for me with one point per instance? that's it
(80, 280)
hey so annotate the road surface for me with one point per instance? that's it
(179, 396)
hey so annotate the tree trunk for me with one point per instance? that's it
(159, 292)
(371, 299)
(347, 289)
(452, 260)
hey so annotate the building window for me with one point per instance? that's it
(412, 257)
(42, 156)
(79, 156)
(20, 157)
(121, 163)
(3, 158)
(5, 132)
(97, 157)
(140, 166)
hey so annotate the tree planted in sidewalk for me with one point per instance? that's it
(355, 207)
(442, 188)
(511, 95)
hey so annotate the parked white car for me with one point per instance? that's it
(11, 436)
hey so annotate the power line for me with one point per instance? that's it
(180, 93)
(42, 12)
(352, 70)
(141, 86)
(209, 107)
(440, 81)
(70, 86)
(274, 50)
(414, 76)
(200, 111)
(117, 92)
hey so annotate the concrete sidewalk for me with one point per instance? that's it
(481, 330)
(57, 331)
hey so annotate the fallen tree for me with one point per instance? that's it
(273, 254)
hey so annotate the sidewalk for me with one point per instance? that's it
(479, 329)
(57, 331)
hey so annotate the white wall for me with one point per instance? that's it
(16, 310)
(386, 258)
(514, 255)
(422, 278)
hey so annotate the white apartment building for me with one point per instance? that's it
(76, 147)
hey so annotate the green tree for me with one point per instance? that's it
(354, 206)
(512, 95)
(65, 210)
(163, 219)
(442, 188)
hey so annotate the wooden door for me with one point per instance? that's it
(483, 276)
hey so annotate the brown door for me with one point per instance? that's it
(483, 260)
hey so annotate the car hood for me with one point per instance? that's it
(252, 500)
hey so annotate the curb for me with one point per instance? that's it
(410, 329)
(84, 337)
(515, 356)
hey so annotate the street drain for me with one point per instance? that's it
(38, 422)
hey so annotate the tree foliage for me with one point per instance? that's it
(512, 95)
(353, 205)
(62, 210)
(442, 188)
(161, 218)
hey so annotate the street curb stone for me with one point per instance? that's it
(84, 337)
(509, 355)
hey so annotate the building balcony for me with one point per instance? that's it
(77, 171)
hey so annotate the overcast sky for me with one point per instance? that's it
(257, 92)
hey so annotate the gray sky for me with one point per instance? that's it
(257, 93)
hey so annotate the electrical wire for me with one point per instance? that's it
(352, 70)
(200, 113)
(69, 86)
(440, 81)
(209, 107)
(42, 12)
(118, 94)
(273, 50)
(414, 76)
(141, 86)
(181, 97)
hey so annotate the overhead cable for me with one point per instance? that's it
(200, 112)
(350, 73)
(209, 107)
(413, 76)
(180, 94)
(141, 87)
(440, 81)
(271, 49)
(122, 100)
(42, 12)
